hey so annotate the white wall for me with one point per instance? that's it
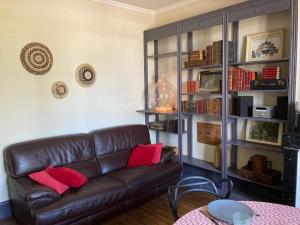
(76, 32)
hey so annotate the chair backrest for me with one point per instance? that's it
(195, 184)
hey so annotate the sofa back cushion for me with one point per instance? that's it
(73, 151)
(113, 145)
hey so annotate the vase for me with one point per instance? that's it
(163, 96)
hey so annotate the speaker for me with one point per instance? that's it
(242, 106)
(281, 109)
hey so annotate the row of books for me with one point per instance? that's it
(192, 87)
(166, 125)
(271, 73)
(211, 107)
(239, 79)
(212, 55)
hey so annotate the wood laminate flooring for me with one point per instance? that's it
(154, 212)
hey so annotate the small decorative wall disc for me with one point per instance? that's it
(36, 58)
(85, 75)
(59, 89)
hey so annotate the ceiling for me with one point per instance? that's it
(148, 6)
(152, 4)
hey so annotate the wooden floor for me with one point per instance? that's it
(155, 212)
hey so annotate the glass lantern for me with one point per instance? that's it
(162, 95)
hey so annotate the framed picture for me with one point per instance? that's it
(210, 81)
(209, 133)
(265, 46)
(264, 132)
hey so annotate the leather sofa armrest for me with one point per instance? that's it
(34, 194)
(168, 155)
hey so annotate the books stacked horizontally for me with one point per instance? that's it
(210, 107)
(212, 55)
(166, 125)
(192, 87)
(271, 73)
(196, 58)
(239, 79)
(197, 55)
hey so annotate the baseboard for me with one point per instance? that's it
(5, 210)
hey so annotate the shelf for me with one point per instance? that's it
(165, 55)
(271, 91)
(200, 163)
(252, 145)
(199, 94)
(152, 111)
(259, 62)
(257, 119)
(234, 173)
(239, 64)
(204, 67)
(184, 132)
(203, 115)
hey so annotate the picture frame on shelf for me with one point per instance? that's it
(263, 132)
(210, 81)
(265, 46)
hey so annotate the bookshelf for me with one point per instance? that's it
(229, 24)
(165, 55)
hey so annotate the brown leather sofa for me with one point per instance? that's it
(102, 156)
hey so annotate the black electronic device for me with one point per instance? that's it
(242, 106)
(281, 109)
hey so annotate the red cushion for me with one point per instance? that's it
(141, 156)
(44, 178)
(158, 149)
(67, 176)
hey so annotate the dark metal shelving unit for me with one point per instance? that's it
(165, 55)
(234, 173)
(260, 62)
(198, 94)
(201, 163)
(163, 131)
(203, 67)
(257, 119)
(222, 17)
(270, 91)
(152, 111)
(252, 145)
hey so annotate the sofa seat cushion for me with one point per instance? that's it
(139, 179)
(98, 193)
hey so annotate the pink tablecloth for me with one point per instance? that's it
(269, 214)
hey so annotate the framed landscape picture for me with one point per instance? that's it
(264, 132)
(208, 133)
(210, 81)
(265, 46)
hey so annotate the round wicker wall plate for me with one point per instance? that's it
(59, 89)
(36, 58)
(85, 75)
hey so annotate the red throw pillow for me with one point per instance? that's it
(67, 176)
(44, 178)
(141, 156)
(158, 149)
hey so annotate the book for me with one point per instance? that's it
(239, 79)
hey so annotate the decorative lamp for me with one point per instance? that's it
(163, 95)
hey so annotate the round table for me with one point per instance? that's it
(268, 214)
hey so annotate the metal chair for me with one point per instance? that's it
(195, 184)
